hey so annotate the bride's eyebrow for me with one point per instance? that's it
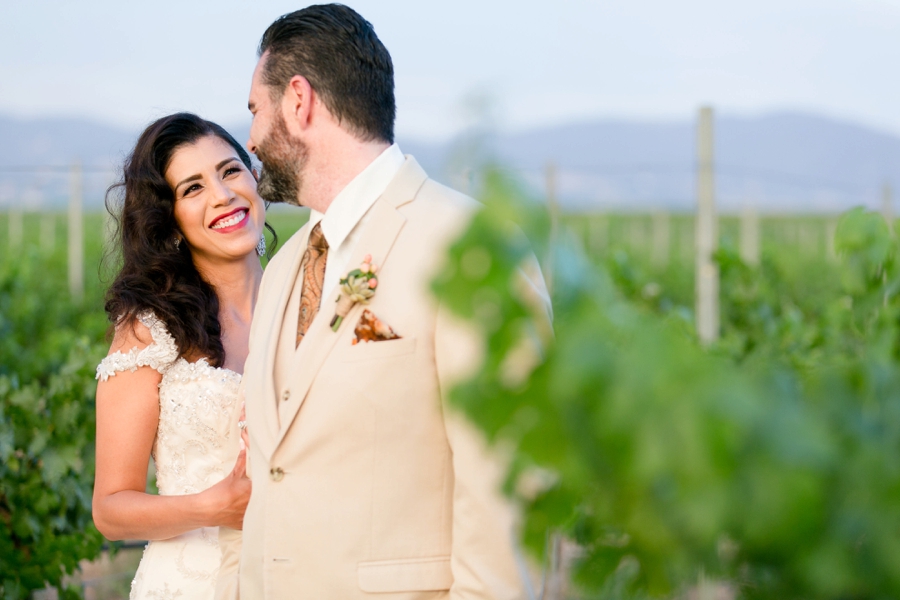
(188, 180)
(226, 161)
(199, 176)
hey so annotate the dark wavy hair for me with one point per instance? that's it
(343, 60)
(156, 274)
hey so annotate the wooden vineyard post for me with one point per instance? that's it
(598, 234)
(706, 235)
(661, 238)
(75, 234)
(563, 555)
(807, 239)
(750, 238)
(830, 232)
(48, 231)
(887, 208)
(636, 238)
(16, 224)
(553, 209)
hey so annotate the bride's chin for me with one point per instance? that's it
(230, 253)
(251, 249)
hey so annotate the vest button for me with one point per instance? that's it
(276, 473)
(286, 395)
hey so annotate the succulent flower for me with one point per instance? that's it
(357, 287)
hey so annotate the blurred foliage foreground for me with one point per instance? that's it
(49, 348)
(769, 462)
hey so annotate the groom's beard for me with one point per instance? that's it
(283, 158)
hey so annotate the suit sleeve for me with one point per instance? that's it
(485, 559)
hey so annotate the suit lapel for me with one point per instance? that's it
(381, 229)
(273, 331)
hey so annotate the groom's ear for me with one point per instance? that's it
(298, 99)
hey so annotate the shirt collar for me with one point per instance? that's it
(355, 200)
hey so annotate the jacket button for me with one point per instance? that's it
(286, 395)
(276, 473)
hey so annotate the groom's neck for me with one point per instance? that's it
(334, 164)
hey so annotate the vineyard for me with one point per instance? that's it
(648, 465)
(763, 465)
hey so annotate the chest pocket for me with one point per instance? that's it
(364, 351)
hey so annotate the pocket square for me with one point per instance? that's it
(372, 329)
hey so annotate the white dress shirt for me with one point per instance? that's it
(346, 215)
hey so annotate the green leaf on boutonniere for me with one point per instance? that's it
(357, 287)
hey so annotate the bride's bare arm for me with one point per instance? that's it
(127, 418)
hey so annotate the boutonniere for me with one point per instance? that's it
(357, 286)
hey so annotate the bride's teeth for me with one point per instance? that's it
(232, 220)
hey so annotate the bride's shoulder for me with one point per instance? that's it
(139, 341)
(130, 333)
(140, 331)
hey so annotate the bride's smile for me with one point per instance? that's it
(230, 222)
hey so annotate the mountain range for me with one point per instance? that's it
(794, 162)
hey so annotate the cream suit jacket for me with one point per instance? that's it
(365, 484)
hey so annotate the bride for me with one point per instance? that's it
(190, 235)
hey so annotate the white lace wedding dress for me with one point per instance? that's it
(194, 449)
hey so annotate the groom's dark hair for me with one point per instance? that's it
(337, 51)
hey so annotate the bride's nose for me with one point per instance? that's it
(220, 194)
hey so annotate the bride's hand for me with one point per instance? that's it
(229, 497)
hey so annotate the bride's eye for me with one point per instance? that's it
(191, 189)
(231, 171)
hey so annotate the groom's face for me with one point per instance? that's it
(283, 155)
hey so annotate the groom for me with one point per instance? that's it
(364, 482)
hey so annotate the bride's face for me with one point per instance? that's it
(217, 208)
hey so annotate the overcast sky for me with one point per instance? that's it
(540, 62)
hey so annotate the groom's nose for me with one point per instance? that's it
(251, 145)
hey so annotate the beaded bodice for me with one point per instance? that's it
(193, 448)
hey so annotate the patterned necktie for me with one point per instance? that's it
(313, 278)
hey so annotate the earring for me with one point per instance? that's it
(261, 245)
(177, 242)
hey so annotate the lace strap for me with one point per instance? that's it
(159, 355)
